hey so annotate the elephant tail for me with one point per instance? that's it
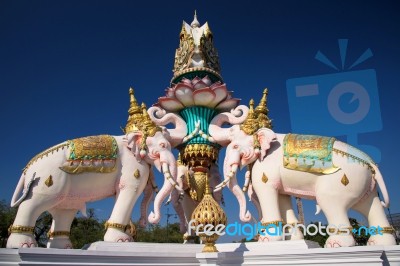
(20, 185)
(381, 183)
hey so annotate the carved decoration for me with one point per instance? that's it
(345, 181)
(49, 181)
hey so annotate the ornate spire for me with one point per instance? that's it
(134, 114)
(250, 125)
(196, 53)
(262, 111)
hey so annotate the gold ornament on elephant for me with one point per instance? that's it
(264, 178)
(345, 181)
(134, 114)
(49, 181)
(136, 174)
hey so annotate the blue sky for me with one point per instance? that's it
(66, 67)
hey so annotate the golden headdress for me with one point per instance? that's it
(250, 125)
(135, 114)
(262, 112)
(148, 127)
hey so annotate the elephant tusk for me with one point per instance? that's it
(246, 181)
(168, 176)
(225, 182)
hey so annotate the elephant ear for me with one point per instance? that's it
(265, 137)
(133, 142)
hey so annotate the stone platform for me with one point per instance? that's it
(274, 253)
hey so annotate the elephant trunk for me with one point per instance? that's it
(169, 171)
(179, 210)
(144, 205)
(161, 118)
(220, 134)
(244, 215)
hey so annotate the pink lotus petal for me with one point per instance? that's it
(216, 84)
(199, 85)
(170, 104)
(170, 92)
(184, 93)
(227, 105)
(195, 80)
(220, 94)
(186, 81)
(206, 80)
(204, 97)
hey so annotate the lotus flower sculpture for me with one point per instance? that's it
(198, 92)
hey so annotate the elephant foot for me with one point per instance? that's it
(264, 236)
(59, 242)
(337, 241)
(188, 239)
(115, 235)
(384, 239)
(297, 234)
(17, 240)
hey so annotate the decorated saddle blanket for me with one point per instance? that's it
(308, 153)
(91, 154)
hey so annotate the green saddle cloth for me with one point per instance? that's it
(308, 153)
(91, 154)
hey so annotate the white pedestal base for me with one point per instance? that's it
(274, 253)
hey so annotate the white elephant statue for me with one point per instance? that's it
(63, 178)
(335, 174)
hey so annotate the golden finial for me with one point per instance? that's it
(195, 23)
(250, 125)
(262, 111)
(134, 112)
(208, 212)
(262, 106)
(148, 126)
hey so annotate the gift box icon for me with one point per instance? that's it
(342, 103)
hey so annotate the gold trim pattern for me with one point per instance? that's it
(21, 229)
(362, 161)
(340, 231)
(58, 233)
(198, 154)
(387, 230)
(276, 222)
(44, 153)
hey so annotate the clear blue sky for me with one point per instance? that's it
(66, 67)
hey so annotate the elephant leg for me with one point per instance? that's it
(24, 223)
(271, 215)
(120, 216)
(292, 231)
(60, 228)
(335, 210)
(372, 209)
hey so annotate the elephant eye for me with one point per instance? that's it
(235, 146)
(162, 145)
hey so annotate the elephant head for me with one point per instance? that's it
(153, 144)
(224, 136)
